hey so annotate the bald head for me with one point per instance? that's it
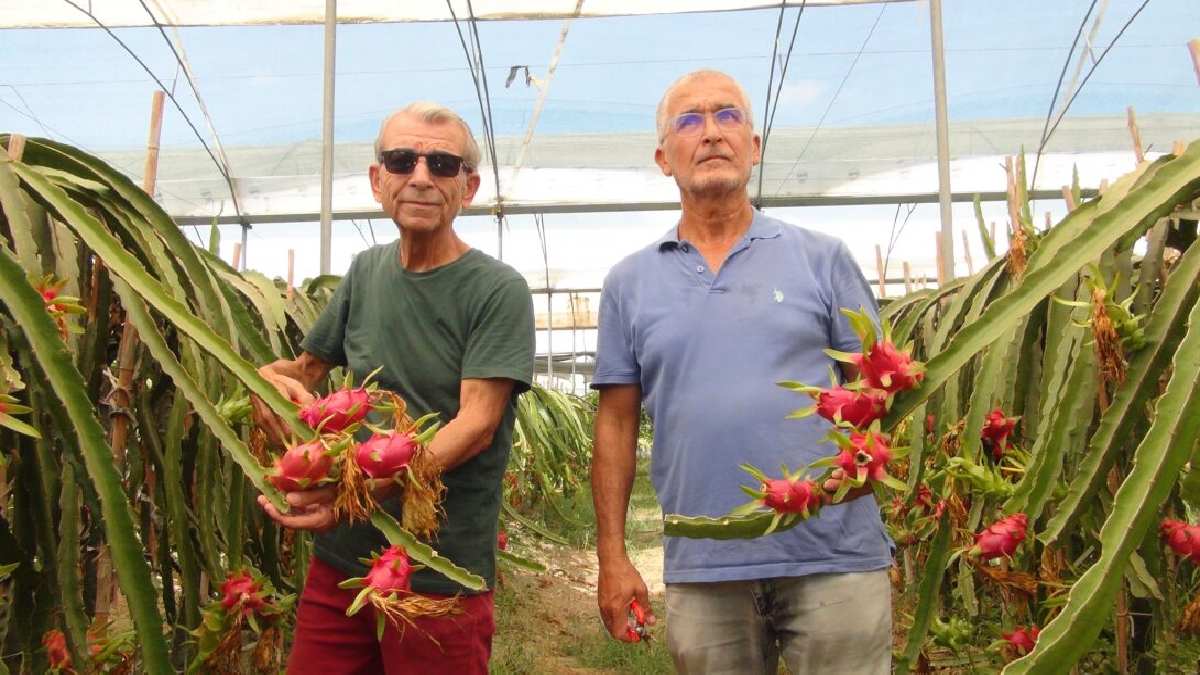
(664, 104)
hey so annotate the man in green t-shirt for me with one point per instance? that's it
(450, 330)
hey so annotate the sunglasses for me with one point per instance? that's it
(441, 164)
(692, 123)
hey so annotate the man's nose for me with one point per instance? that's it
(420, 176)
(712, 131)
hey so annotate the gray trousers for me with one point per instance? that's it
(826, 624)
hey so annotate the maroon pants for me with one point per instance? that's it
(327, 642)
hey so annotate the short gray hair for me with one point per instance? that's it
(433, 113)
(660, 117)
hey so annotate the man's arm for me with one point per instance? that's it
(294, 379)
(614, 462)
(481, 408)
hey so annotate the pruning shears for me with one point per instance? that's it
(638, 631)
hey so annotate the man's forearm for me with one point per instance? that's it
(614, 461)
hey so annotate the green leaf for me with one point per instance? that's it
(1176, 181)
(423, 553)
(18, 426)
(520, 562)
(74, 615)
(1157, 464)
(128, 268)
(27, 307)
(1127, 409)
(208, 413)
(927, 595)
(727, 527)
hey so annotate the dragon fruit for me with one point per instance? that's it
(1001, 538)
(996, 430)
(883, 366)
(791, 495)
(240, 591)
(57, 655)
(502, 540)
(1183, 539)
(338, 410)
(1022, 639)
(385, 455)
(857, 407)
(866, 456)
(387, 587)
(302, 467)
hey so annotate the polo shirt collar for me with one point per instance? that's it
(761, 227)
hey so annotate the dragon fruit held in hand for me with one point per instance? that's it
(302, 467)
(385, 455)
(338, 410)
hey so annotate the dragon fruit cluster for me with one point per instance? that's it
(334, 457)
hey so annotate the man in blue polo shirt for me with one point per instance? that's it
(698, 327)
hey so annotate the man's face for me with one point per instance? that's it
(420, 201)
(716, 158)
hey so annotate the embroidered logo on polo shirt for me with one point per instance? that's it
(778, 295)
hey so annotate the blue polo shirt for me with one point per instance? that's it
(707, 351)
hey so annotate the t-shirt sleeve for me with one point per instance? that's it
(326, 338)
(616, 362)
(849, 290)
(501, 342)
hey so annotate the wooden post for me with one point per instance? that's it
(941, 268)
(882, 272)
(1014, 217)
(291, 290)
(1131, 122)
(908, 284)
(16, 147)
(1178, 148)
(1194, 48)
(1103, 186)
(967, 253)
(993, 233)
(1069, 198)
(237, 255)
(122, 395)
(1049, 222)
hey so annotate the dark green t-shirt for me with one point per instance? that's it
(471, 318)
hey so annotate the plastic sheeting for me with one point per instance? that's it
(113, 13)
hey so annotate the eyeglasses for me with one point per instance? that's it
(441, 164)
(692, 123)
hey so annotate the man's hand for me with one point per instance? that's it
(831, 485)
(619, 584)
(309, 510)
(265, 418)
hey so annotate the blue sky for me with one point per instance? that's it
(263, 84)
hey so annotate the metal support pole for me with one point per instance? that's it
(245, 246)
(327, 136)
(946, 236)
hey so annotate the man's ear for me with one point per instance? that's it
(660, 158)
(757, 149)
(472, 188)
(374, 173)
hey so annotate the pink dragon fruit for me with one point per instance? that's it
(857, 407)
(240, 590)
(1022, 639)
(301, 467)
(996, 430)
(791, 495)
(1001, 538)
(385, 455)
(866, 457)
(338, 410)
(1183, 539)
(390, 571)
(886, 367)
